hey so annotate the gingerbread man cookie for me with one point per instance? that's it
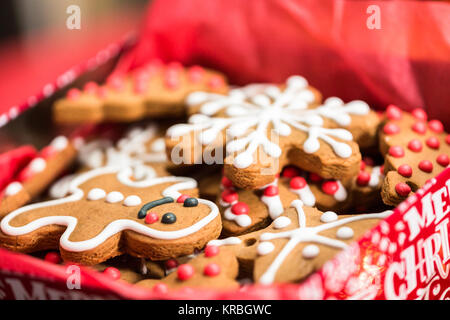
(415, 150)
(154, 90)
(215, 268)
(110, 212)
(244, 210)
(297, 243)
(265, 127)
(38, 174)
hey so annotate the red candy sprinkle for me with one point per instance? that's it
(426, 166)
(419, 127)
(419, 114)
(227, 183)
(405, 170)
(433, 142)
(216, 82)
(229, 196)
(362, 165)
(330, 187)
(161, 288)
(91, 87)
(172, 81)
(196, 73)
(402, 189)
(151, 217)
(363, 178)
(53, 257)
(314, 177)
(271, 191)
(443, 160)
(211, 270)
(396, 151)
(182, 198)
(73, 94)
(391, 128)
(297, 183)
(112, 272)
(171, 264)
(436, 126)
(415, 145)
(393, 112)
(240, 208)
(290, 172)
(185, 271)
(211, 251)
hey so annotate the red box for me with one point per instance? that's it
(406, 256)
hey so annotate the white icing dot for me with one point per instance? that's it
(310, 251)
(114, 196)
(281, 222)
(59, 143)
(328, 216)
(132, 201)
(96, 194)
(38, 165)
(344, 233)
(13, 188)
(158, 145)
(265, 247)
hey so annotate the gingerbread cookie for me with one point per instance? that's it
(265, 127)
(216, 268)
(415, 150)
(244, 210)
(38, 174)
(297, 243)
(154, 90)
(109, 212)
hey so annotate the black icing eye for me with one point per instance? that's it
(169, 218)
(190, 202)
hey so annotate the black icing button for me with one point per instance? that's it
(190, 202)
(168, 218)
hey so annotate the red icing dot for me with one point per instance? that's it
(73, 94)
(436, 126)
(271, 191)
(52, 257)
(185, 271)
(115, 82)
(226, 183)
(419, 114)
(362, 165)
(196, 73)
(405, 170)
(433, 142)
(140, 86)
(402, 189)
(396, 151)
(151, 217)
(211, 251)
(229, 196)
(297, 183)
(160, 288)
(419, 127)
(415, 145)
(391, 128)
(290, 172)
(112, 272)
(91, 87)
(393, 112)
(363, 178)
(182, 198)
(211, 270)
(314, 177)
(171, 264)
(330, 187)
(172, 81)
(443, 160)
(216, 82)
(240, 208)
(426, 166)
